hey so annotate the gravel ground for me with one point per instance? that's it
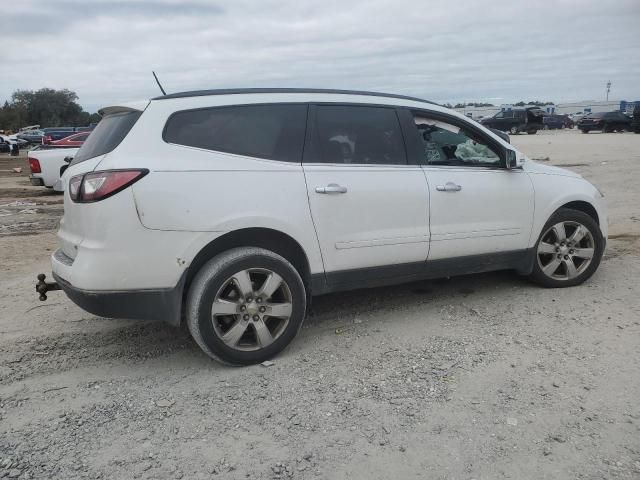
(478, 377)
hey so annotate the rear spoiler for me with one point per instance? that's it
(125, 107)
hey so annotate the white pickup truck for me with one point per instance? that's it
(45, 166)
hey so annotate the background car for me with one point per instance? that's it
(52, 135)
(566, 120)
(517, 120)
(31, 136)
(605, 121)
(47, 166)
(576, 117)
(11, 144)
(4, 145)
(635, 123)
(552, 122)
(74, 140)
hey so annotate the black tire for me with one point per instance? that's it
(210, 281)
(607, 129)
(574, 216)
(584, 130)
(532, 132)
(514, 130)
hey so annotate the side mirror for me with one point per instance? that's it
(514, 159)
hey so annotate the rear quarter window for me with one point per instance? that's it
(273, 132)
(107, 135)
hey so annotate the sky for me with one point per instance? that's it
(445, 51)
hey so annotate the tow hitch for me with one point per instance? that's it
(43, 287)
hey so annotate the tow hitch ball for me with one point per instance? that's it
(43, 287)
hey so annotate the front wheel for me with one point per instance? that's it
(513, 130)
(568, 251)
(245, 306)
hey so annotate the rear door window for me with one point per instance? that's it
(107, 135)
(357, 135)
(273, 132)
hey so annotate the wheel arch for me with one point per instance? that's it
(584, 207)
(260, 237)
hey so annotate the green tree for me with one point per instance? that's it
(46, 107)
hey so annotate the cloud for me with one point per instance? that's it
(440, 50)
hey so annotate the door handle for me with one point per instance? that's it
(331, 188)
(449, 187)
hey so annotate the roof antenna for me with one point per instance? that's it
(158, 82)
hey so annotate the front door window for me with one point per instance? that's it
(447, 144)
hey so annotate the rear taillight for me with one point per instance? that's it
(74, 187)
(95, 186)
(34, 165)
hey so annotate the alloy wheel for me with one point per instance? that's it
(565, 250)
(252, 309)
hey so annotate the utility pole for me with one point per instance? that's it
(608, 89)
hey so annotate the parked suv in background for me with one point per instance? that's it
(553, 122)
(231, 209)
(517, 120)
(605, 121)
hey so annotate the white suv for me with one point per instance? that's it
(230, 209)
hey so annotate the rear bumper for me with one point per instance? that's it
(157, 304)
(36, 181)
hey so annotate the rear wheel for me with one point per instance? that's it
(584, 130)
(607, 129)
(245, 306)
(532, 132)
(568, 251)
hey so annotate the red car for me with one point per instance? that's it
(75, 140)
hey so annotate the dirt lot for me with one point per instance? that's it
(481, 377)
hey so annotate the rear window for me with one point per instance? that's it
(358, 134)
(274, 132)
(107, 135)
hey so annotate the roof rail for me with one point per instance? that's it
(239, 91)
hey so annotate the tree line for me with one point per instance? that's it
(45, 107)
